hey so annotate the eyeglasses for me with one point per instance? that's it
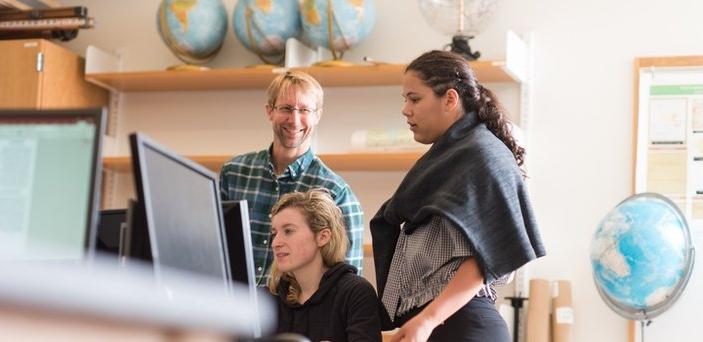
(287, 109)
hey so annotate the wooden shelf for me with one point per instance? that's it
(664, 62)
(395, 161)
(391, 161)
(256, 78)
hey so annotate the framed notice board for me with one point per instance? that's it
(669, 136)
(668, 159)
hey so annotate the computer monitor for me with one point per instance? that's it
(112, 226)
(50, 168)
(124, 232)
(183, 212)
(239, 246)
(136, 244)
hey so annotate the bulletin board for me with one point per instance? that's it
(668, 159)
(669, 134)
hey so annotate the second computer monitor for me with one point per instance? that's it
(183, 211)
(241, 256)
(111, 227)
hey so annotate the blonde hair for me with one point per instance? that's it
(320, 213)
(298, 80)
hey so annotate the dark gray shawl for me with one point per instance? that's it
(471, 178)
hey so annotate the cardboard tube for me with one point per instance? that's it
(563, 316)
(537, 329)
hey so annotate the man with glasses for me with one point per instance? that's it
(294, 108)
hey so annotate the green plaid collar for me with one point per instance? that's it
(295, 168)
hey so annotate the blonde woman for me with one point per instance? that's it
(319, 295)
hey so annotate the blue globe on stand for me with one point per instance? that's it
(193, 30)
(337, 25)
(264, 26)
(642, 256)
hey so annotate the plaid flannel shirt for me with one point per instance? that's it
(251, 177)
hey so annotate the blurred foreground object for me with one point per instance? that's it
(99, 301)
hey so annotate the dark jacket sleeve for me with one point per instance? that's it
(363, 319)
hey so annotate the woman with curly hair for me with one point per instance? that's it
(461, 221)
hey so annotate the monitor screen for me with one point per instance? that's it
(183, 213)
(238, 234)
(50, 169)
(241, 254)
(111, 229)
(135, 244)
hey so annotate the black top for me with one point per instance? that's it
(470, 178)
(344, 308)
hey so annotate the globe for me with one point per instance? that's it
(192, 29)
(350, 22)
(263, 26)
(464, 17)
(642, 256)
(461, 19)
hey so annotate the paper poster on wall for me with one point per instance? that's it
(667, 121)
(697, 209)
(697, 146)
(697, 177)
(673, 153)
(697, 115)
(667, 172)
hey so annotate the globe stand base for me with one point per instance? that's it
(460, 45)
(187, 67)
(334, 63)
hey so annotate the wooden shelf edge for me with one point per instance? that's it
(371, 161)
(258, 78)
(367, 161)
(493, 72)
(673, 61)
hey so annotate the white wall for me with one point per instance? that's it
(581, 152)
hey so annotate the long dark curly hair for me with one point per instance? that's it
(444, 70)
